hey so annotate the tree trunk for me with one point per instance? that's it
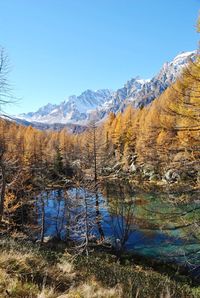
(98, 219)
(3, 189)
(43, 221)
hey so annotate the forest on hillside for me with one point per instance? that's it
(158, 143)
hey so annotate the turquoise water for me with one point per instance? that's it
(156, 225)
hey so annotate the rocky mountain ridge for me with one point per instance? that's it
(96, 105)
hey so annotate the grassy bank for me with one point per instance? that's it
(28, 270)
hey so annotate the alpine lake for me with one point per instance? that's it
(161, 226)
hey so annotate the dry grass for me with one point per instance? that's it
(26, 273)
(93, 289)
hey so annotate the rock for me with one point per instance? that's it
(172, 176)
(76, 164)
(67, 181)
(107, 171)
(48, 239)
(148, 172)
(132, 168)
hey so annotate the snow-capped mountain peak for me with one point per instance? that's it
(97, 104)
(73, 110)
(180, 58)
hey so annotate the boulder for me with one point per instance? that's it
(132, 168)
(106, 171)
(148, 172)
(172, 176)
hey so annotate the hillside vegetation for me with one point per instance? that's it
(159, 142)
(28, 270)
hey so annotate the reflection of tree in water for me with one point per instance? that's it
(179, 217)
(70, 215)
(168, 226)
(170, 222)
(51, 208)
(121, 210)
(99, 217)
(183, 220)
(60, 214)
(83, 217)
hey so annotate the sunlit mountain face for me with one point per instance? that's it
(96, 105)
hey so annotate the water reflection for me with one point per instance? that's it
(145, 223)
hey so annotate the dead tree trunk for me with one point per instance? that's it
(3, 187)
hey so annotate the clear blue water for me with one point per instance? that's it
(147, 224)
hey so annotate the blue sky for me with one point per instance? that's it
(62, 47)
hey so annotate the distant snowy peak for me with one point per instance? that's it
(97, 104)
(40, 113)
(75, 109)
(174, 68)
(168, 74)
(89, 99)
(135, 84)
(183, 57)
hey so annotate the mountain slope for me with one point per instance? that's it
(75, 109)
(142, 92)
(97, 104)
